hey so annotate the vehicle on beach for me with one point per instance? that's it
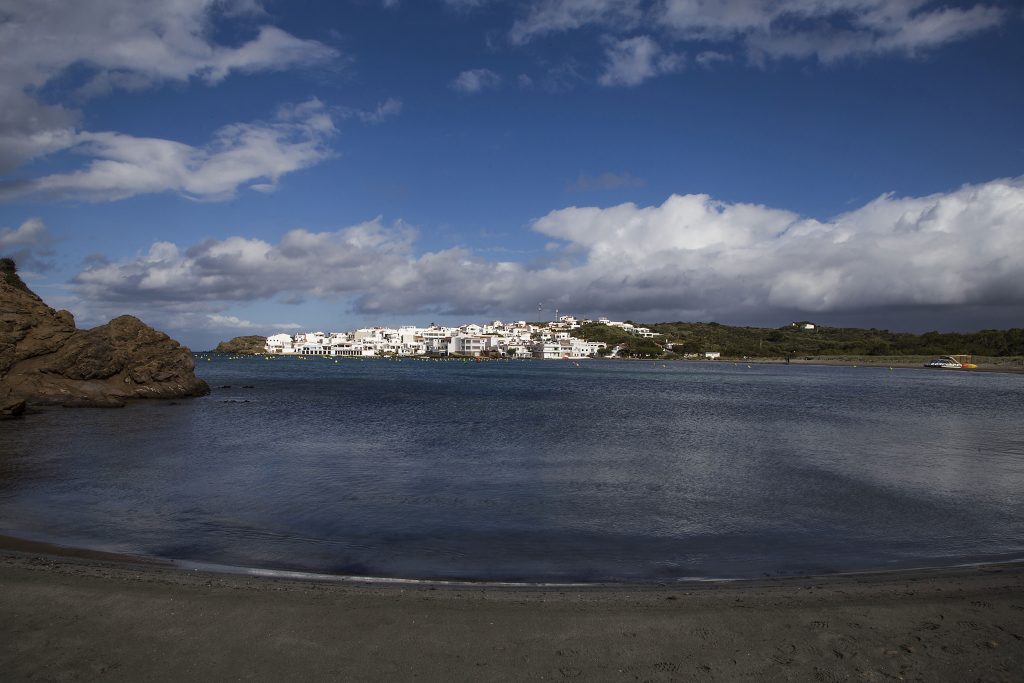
(960, 362)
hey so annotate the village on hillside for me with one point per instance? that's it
(552, 340)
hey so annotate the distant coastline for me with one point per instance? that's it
(569, 338)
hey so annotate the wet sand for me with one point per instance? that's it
(86, 618)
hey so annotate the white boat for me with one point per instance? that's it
(944, 362)
(958, 362)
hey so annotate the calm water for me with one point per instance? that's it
(536, 470)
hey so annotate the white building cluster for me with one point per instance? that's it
(520, 339)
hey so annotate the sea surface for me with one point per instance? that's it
(535, 470)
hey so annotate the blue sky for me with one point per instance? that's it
(224, 168)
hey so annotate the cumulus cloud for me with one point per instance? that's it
(30, 244)
(690, 257)
(634, 60)
(475, 80)
(242, 154)
(827, 31)
(121, 44)
(244, 269)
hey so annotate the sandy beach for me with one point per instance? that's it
(109, 618)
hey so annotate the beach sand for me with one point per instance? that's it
(92, 618)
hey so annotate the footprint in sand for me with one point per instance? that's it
(665, 666)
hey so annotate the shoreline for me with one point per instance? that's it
(1012, 366)
(20, 545)
(72, 616)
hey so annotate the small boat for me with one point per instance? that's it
(958, 362)
(945, 362)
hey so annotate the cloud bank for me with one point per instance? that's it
(691, 257)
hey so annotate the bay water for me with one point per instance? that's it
(535, 470)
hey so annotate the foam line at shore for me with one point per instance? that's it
(22, 545)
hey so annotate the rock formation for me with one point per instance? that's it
(250, 345)
(44, 359)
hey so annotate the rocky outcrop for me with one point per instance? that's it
(247, 346)
(44, 359)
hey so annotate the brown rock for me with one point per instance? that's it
(45, 360)
(11, 408)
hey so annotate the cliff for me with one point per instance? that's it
(250, 345)
(45, 359)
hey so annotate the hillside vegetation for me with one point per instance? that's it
(832, 341)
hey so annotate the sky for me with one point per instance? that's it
(229, 167)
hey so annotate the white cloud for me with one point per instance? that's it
(128, 44)
(827, 30)
(30, 244)
(545, 17)
(253, 154)
(632, 61)
(708, 58)
(390, 107)
(152, 39)
(475, 80)
(842, 29)
(691, 257)
(29, 129)
(220, 321)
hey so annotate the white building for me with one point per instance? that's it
(280, 344)
(515, 340)
(466, 345)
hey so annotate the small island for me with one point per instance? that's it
(250, 345)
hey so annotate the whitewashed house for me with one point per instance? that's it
(466, 345)
(280, 344)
